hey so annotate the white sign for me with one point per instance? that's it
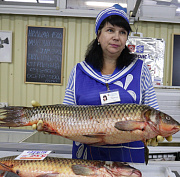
(5, 46)
(32, 155)
(151, 51)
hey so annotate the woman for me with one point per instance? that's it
(110, 69)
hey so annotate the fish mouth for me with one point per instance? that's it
(171, 132)
(136, 173)
(176, 128)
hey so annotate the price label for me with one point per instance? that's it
(32, 155)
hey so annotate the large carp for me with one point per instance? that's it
(96, 125)
(59, 167)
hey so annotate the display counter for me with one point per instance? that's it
(156, 167)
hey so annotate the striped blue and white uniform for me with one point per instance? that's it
(134, 85)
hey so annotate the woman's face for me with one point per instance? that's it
(112, 40)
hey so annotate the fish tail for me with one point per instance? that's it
(13, 116)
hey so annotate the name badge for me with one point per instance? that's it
(110, 97)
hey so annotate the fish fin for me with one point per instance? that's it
(49, 175)
(83, 170)
(130, 125)
(96, 135)
(4, 167)
(146, 153)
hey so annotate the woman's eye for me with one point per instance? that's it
(110, 30)
(123, 32)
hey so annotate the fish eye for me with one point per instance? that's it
(168, 118)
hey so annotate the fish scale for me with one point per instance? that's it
(95, 125)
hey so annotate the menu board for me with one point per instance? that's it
(44, 55)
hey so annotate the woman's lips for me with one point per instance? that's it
(114, 45)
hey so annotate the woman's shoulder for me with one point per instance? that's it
(137, 62)
(78, 65)
(83, 65)
(144, 64)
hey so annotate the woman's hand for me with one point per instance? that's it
(39, 125)
(35, 103)
(157, 139)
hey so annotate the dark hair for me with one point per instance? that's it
(116, 20)
(94, 54)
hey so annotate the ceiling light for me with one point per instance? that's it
(46, 1)
(103, 4)
(22, 0)
(164, 0)
(178, 10)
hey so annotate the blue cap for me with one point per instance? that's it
(114, 10)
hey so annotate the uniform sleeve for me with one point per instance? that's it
(148, 92)
(69, 93)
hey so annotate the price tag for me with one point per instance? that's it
(32, 155)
